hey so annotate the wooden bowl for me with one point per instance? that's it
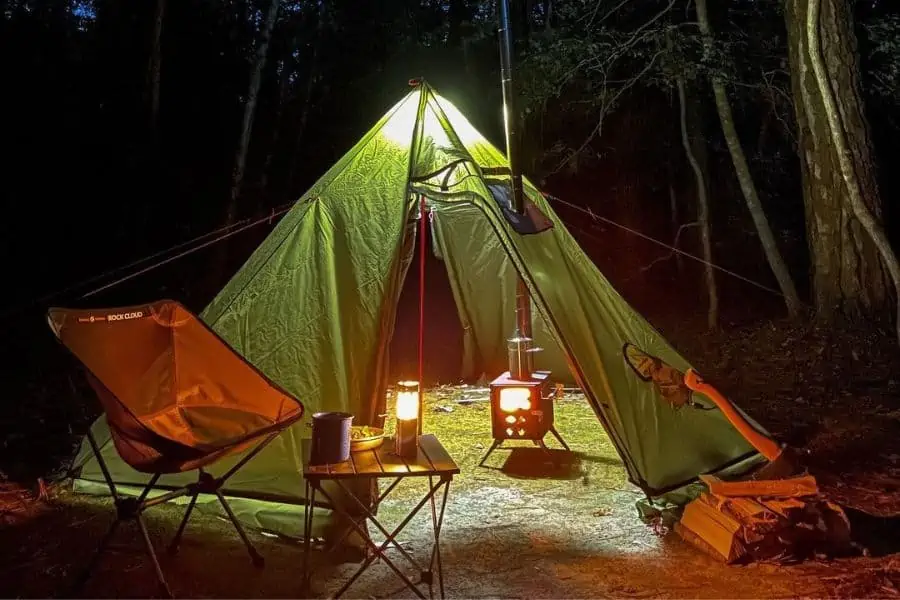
(370, 442)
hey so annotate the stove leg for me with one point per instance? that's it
(559, 438)
(493, 447)
(543, 446)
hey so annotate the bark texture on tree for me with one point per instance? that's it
(712, 315)
(745, 178)
(849, 279)
(240, 160)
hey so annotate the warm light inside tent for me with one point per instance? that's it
(467, 134)
(399, 127)
(408, 400)
(406, 437)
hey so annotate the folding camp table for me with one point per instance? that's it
(432, 461)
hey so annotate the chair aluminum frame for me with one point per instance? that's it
(129, 508)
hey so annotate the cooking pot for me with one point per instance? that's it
(330, 438)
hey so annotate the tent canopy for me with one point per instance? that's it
(314, 306)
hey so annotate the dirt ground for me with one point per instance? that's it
(526, 528)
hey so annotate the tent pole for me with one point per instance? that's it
(510, 124)
(422, 233)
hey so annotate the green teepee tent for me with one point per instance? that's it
(314, 306)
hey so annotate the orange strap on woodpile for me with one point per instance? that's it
(763, 444)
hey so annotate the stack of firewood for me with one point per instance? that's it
(776, 520)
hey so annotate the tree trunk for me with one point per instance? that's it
(457, 13)
(240, 160)
(845, 154)
(748, 187)
(675, 224)
(712, 316)
(155, 68)
(308, 92)
(284, 81)
(835, 149)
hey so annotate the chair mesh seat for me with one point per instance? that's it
(164, 376)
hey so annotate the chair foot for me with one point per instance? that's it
(258, 561)
(174, 545)
(254, 555)
(148, 545)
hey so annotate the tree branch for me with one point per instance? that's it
(607, 106)
(607, 15)
(674, 251)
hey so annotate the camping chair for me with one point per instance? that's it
(177, 398)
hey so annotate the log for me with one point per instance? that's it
(695, 540)
(789, 508)
(778, 520)
(719, 532)
(794, 487)
(757, 519)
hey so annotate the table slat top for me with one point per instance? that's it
(431, 459)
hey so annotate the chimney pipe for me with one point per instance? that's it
(510, 124)
(509, 107)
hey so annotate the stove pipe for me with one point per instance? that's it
(510, 124)
(510, 120)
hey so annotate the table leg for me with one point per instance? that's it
(370, 515)
(434, 548)
(437, 521)
(379, 551)
(310, 496)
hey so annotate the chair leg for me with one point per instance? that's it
(173, 547)
(85, 574)
(257, 558)
(149, 545)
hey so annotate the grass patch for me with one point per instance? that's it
(465, 431)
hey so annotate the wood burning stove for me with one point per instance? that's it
(522, 409)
